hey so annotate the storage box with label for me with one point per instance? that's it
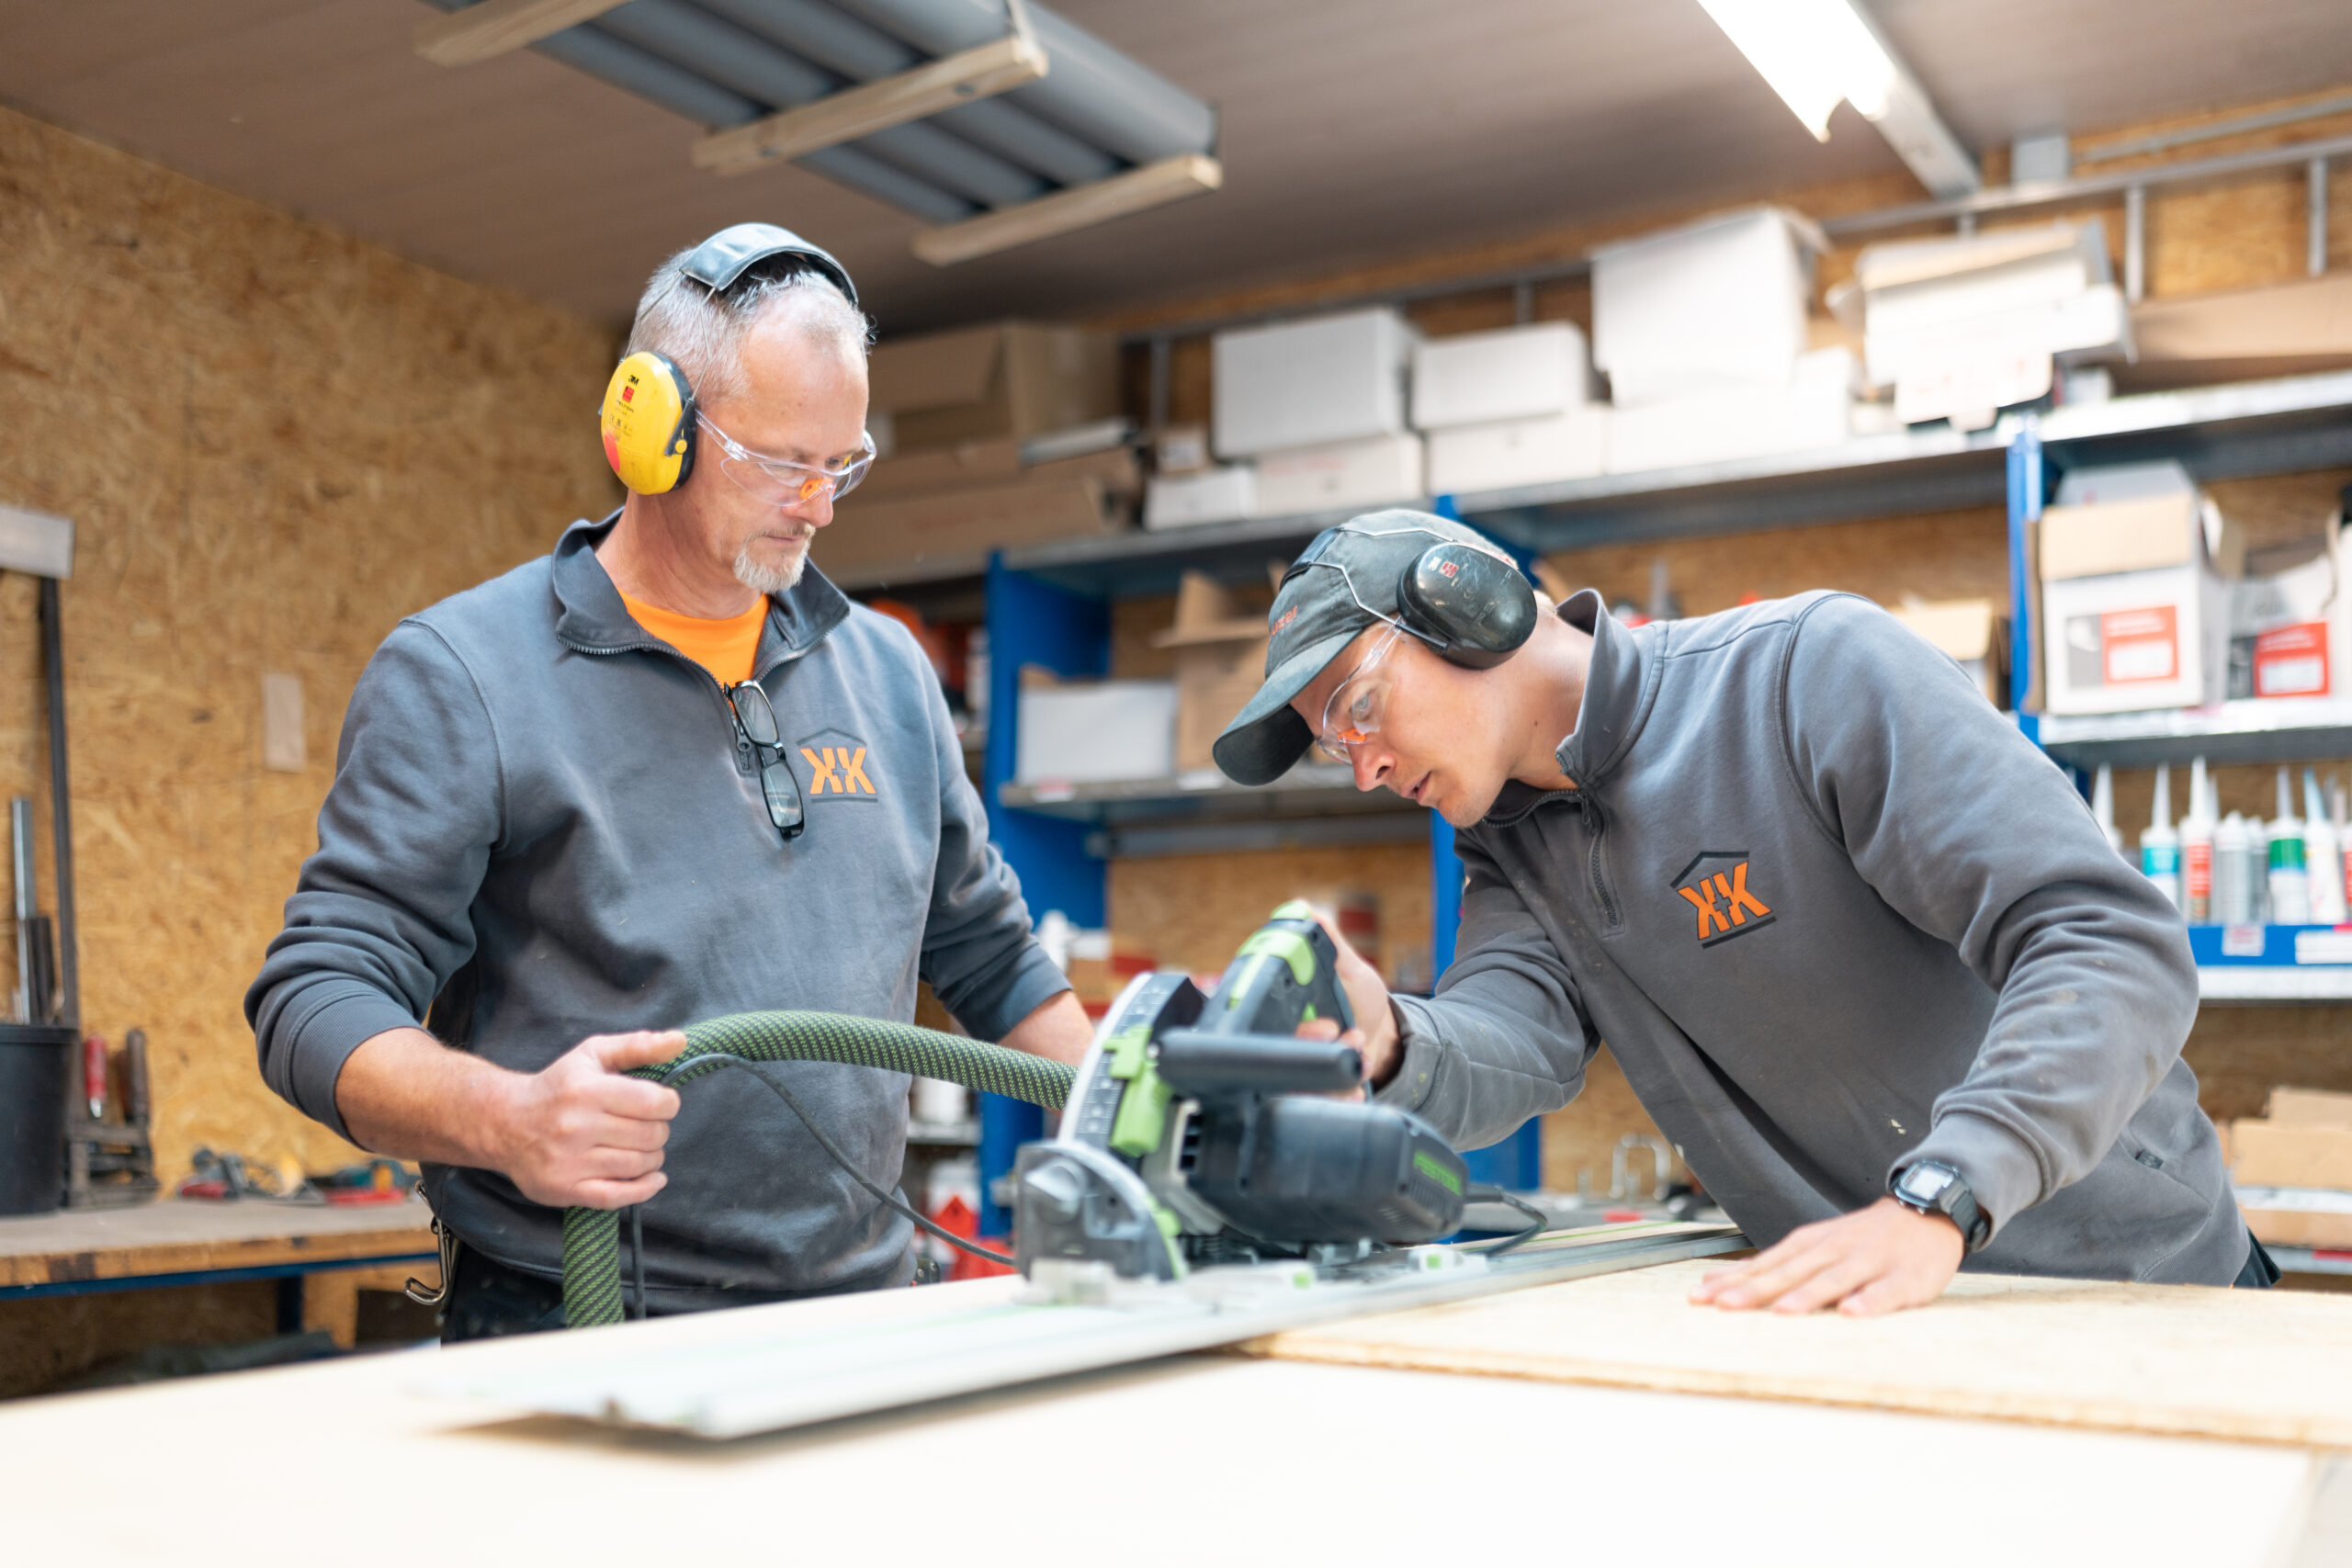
(1015, 379)
(1345, 476)
(1093, 731)
(1309, 383)
(1220, 645)
(1510, 453)
(1721, 300)
(1212, 495)
(1516, 373)
(2287, 628)
(2135, 603)
(1974, 633)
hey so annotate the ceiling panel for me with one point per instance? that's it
(1351, 129)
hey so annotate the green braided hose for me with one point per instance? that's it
(591, 1237)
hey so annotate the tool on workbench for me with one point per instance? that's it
(1200, 1130)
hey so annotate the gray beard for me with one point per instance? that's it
(761, 579)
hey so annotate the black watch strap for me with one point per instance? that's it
(1931, 1187)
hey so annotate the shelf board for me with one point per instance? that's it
(2274, 983)
(2267, 729)
(2226, 432)
(944, 1135)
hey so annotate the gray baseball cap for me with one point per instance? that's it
(1342, 582)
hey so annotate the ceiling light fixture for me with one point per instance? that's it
(1814, 52)
(1817, 53)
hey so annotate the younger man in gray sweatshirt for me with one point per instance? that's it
(1857, 943)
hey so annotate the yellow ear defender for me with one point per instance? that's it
(647, 419)
(649, 423)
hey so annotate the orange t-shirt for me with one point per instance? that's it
(724, 647)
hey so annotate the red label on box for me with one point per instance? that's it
(2291, 662)
(2140, 645)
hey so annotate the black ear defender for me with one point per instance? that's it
(1472, 608)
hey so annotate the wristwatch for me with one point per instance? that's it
(1932, 1187)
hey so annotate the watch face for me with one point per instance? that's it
(1925, 1183)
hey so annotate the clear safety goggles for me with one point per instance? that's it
(779, 482)
(1351, 714)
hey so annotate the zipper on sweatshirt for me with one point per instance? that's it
(1597, 864)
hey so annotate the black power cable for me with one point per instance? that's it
(636, 1223)
(1484, 1195)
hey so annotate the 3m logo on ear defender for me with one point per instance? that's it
(837, 767)
(1715, 884)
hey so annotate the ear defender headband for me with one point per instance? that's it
(648, 417)
(1471, 605)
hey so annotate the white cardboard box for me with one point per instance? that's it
(1308, 383)
(1731, 422)
(2135, 601)
(1508, 452)
(1343, 476)
(1213, 495)
(1517, 373)
(1722, 299)
(1092, 731)
(2287, 629)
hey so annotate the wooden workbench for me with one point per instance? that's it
(321, 1254)
(1229, 1458)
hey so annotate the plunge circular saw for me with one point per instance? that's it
(1201, 1129)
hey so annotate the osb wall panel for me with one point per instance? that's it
(1192, 911)
(275, 441)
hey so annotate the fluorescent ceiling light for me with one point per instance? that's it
(1814, 52)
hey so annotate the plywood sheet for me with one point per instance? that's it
(1286, 1461)
(2178, 1360)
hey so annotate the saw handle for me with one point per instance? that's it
(1203, 1066)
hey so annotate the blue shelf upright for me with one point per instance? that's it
(1032, 622)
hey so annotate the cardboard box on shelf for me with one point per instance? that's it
(2247, 334)
(2267, 1154)
(1973, 632)
(1213, 495)
(1513, 452)
(1381, 472)
(1687, 309)
(1517, 373)
(1013, 379)
(2288, 623)
(1181, 449)
(1220, 660)
(1729, 420)
(877, 536)
(1093, 731)
(971, 465)
(2134, 593)
(1961, 327)
(2308, 1108)
(1337, 377)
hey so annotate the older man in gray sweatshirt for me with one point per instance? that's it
(1857, 943)
(660, 773)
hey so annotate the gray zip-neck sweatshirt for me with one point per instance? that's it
(1834, 914)
(544, 824)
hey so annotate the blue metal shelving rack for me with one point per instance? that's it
(1033, 621)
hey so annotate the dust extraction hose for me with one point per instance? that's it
(591, 1237)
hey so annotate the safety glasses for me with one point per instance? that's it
(757, 718)
(779, 482)
(1352, 713)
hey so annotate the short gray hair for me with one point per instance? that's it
(703, 331)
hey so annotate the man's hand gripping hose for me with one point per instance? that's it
(592, 1267)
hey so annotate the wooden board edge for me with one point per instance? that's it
(979, 73)
(90, 1266)
(1081, 207)
(494, 27)
(2305, 1431)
